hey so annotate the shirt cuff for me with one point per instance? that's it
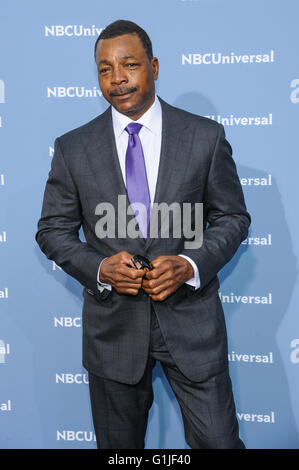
(195, 280)
(102, 285)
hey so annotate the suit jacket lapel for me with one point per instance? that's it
(176, 141)
(102, 155)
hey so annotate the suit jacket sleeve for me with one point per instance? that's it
(58, 227)
(225, 214)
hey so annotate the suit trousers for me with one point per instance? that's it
(120, 411)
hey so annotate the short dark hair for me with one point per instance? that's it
(120, 27)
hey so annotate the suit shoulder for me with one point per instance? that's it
(206, 124)
(90, 127)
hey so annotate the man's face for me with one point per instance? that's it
(126, 76)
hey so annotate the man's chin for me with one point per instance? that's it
(130, 106)
(125, 108)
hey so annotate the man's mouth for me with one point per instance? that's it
(122, 92)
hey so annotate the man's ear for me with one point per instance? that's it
(155, 67)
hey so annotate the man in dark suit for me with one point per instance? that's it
(148, 152)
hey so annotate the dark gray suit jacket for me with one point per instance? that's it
(195, 166)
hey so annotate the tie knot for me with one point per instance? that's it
(133, 128)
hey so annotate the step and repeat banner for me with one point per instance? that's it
(233, 61)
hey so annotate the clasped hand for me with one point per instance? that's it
(167, 275)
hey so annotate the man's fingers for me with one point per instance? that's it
(162, 295)
(133, 274)
(131, 291)
(125, 258)
(156, 261)
(157, 290)
(128, 284)
(156, 272)
(155, 282)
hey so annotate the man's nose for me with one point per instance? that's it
(118, 76)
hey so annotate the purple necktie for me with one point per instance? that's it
(136, 179)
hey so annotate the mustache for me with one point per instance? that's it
(122, 91)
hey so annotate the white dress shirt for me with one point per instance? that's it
(150, 136)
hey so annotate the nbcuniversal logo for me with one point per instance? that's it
(72, 30)
(217, 58)
(73, 92)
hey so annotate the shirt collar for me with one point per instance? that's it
(151, 119)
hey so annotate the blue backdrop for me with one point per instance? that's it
(234, 61)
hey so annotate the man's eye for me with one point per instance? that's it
(132, 65)
(103, 70)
